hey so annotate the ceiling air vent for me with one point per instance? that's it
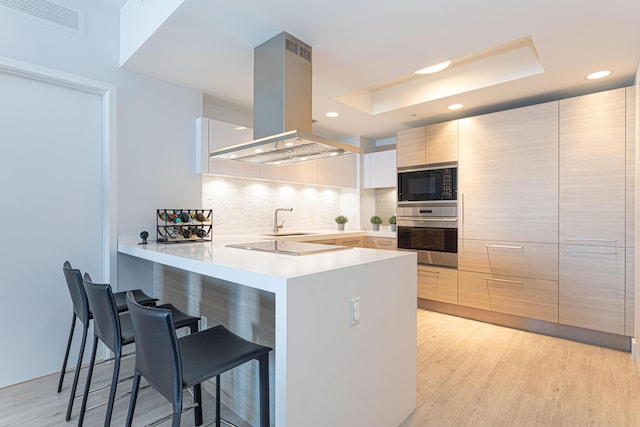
(47, 12)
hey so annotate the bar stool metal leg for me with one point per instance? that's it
(66, 353)
(76, 375)
(263, 363)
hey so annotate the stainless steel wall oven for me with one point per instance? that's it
(431, 230)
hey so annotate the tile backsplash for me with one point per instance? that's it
(245, 204)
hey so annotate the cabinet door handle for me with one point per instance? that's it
(431, 271)
(462, 208)
(581, 251)
(503, 246)
(517, 282)
(586, 239)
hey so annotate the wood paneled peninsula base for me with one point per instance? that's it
(323, 370)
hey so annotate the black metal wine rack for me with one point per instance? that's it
(184, 225)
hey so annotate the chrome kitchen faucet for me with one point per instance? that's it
(277, 227)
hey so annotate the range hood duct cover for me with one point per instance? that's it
(282, 91)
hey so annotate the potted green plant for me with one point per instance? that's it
(392, 222)
(341, 220)
(375, 222)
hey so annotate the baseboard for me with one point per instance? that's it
(587, 336)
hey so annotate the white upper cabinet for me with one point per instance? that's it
(380, 169)
(338, 171)
(213, 134)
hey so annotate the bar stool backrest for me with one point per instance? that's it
(157, 353)
(106, 323)
(73, 278)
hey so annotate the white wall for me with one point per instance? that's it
(154, 127)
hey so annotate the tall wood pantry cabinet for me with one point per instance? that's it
(593, 211)
(508, 207)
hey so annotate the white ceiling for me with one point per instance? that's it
(358, 44)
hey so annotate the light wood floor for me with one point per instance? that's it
(469, 374)
(475, 374)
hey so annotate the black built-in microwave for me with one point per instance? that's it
(427, 185)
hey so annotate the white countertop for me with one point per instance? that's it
(262, 270)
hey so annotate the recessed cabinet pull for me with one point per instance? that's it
(581, 251)
(586, 239)
(431, 271)
(517, 282)
(503, 246)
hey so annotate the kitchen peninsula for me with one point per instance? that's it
(326, 367)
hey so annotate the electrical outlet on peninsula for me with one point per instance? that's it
(354, 311)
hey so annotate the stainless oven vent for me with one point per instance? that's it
(282, 108)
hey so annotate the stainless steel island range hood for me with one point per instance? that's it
(282, 109)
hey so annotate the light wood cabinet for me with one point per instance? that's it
(630, 165)
(441, 142)
(629, 327)
(629, 294)
(382, 243)
(592, 287)
(355, 242)
(522, 259)
(592, 169)
(508, 175)
(594, 183)
(380, 169)
(437, 143)
(438, 284)
(323, 241)
(526, 297)
(410, 147)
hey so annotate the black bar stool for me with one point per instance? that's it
(82, 311)
(170, 364)
(115, 331)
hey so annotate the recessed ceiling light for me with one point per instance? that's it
(288, 144)
(333, 153)
(303, 159)
(455, 106)
(598, 75)
(258, 150)
(434, 68)
(240, 128)
(232, 156)
(332, 114)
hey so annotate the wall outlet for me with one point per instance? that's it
(354, 311)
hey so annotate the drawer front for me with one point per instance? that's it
(438, 284)
(351, 241)
(630, 312)
(533, 260)
(384, 243)
(592, 287)
(323, 241)
(520, 296)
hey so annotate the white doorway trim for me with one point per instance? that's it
(109, 162)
